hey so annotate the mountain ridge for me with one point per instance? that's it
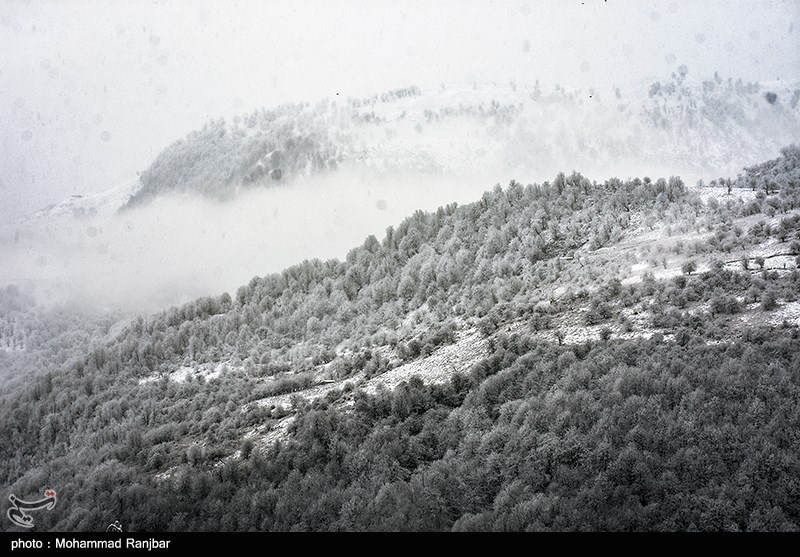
(684, 126)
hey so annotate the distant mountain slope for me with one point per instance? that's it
(715, 126)
(264, 146)
(81, 206)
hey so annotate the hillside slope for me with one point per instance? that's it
(567, 355)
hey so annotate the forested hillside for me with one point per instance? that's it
(37, 338)
(676, 125)
(637, 368)
(264, 146)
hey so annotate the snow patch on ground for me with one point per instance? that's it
(788, 312)
(185, 373)
(721, 193)
(439, 367)
(468, 349)
(286, 401)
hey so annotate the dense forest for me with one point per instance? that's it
(680, 411)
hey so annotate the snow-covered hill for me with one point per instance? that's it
(711, 127)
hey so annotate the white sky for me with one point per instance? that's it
(91, 91)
